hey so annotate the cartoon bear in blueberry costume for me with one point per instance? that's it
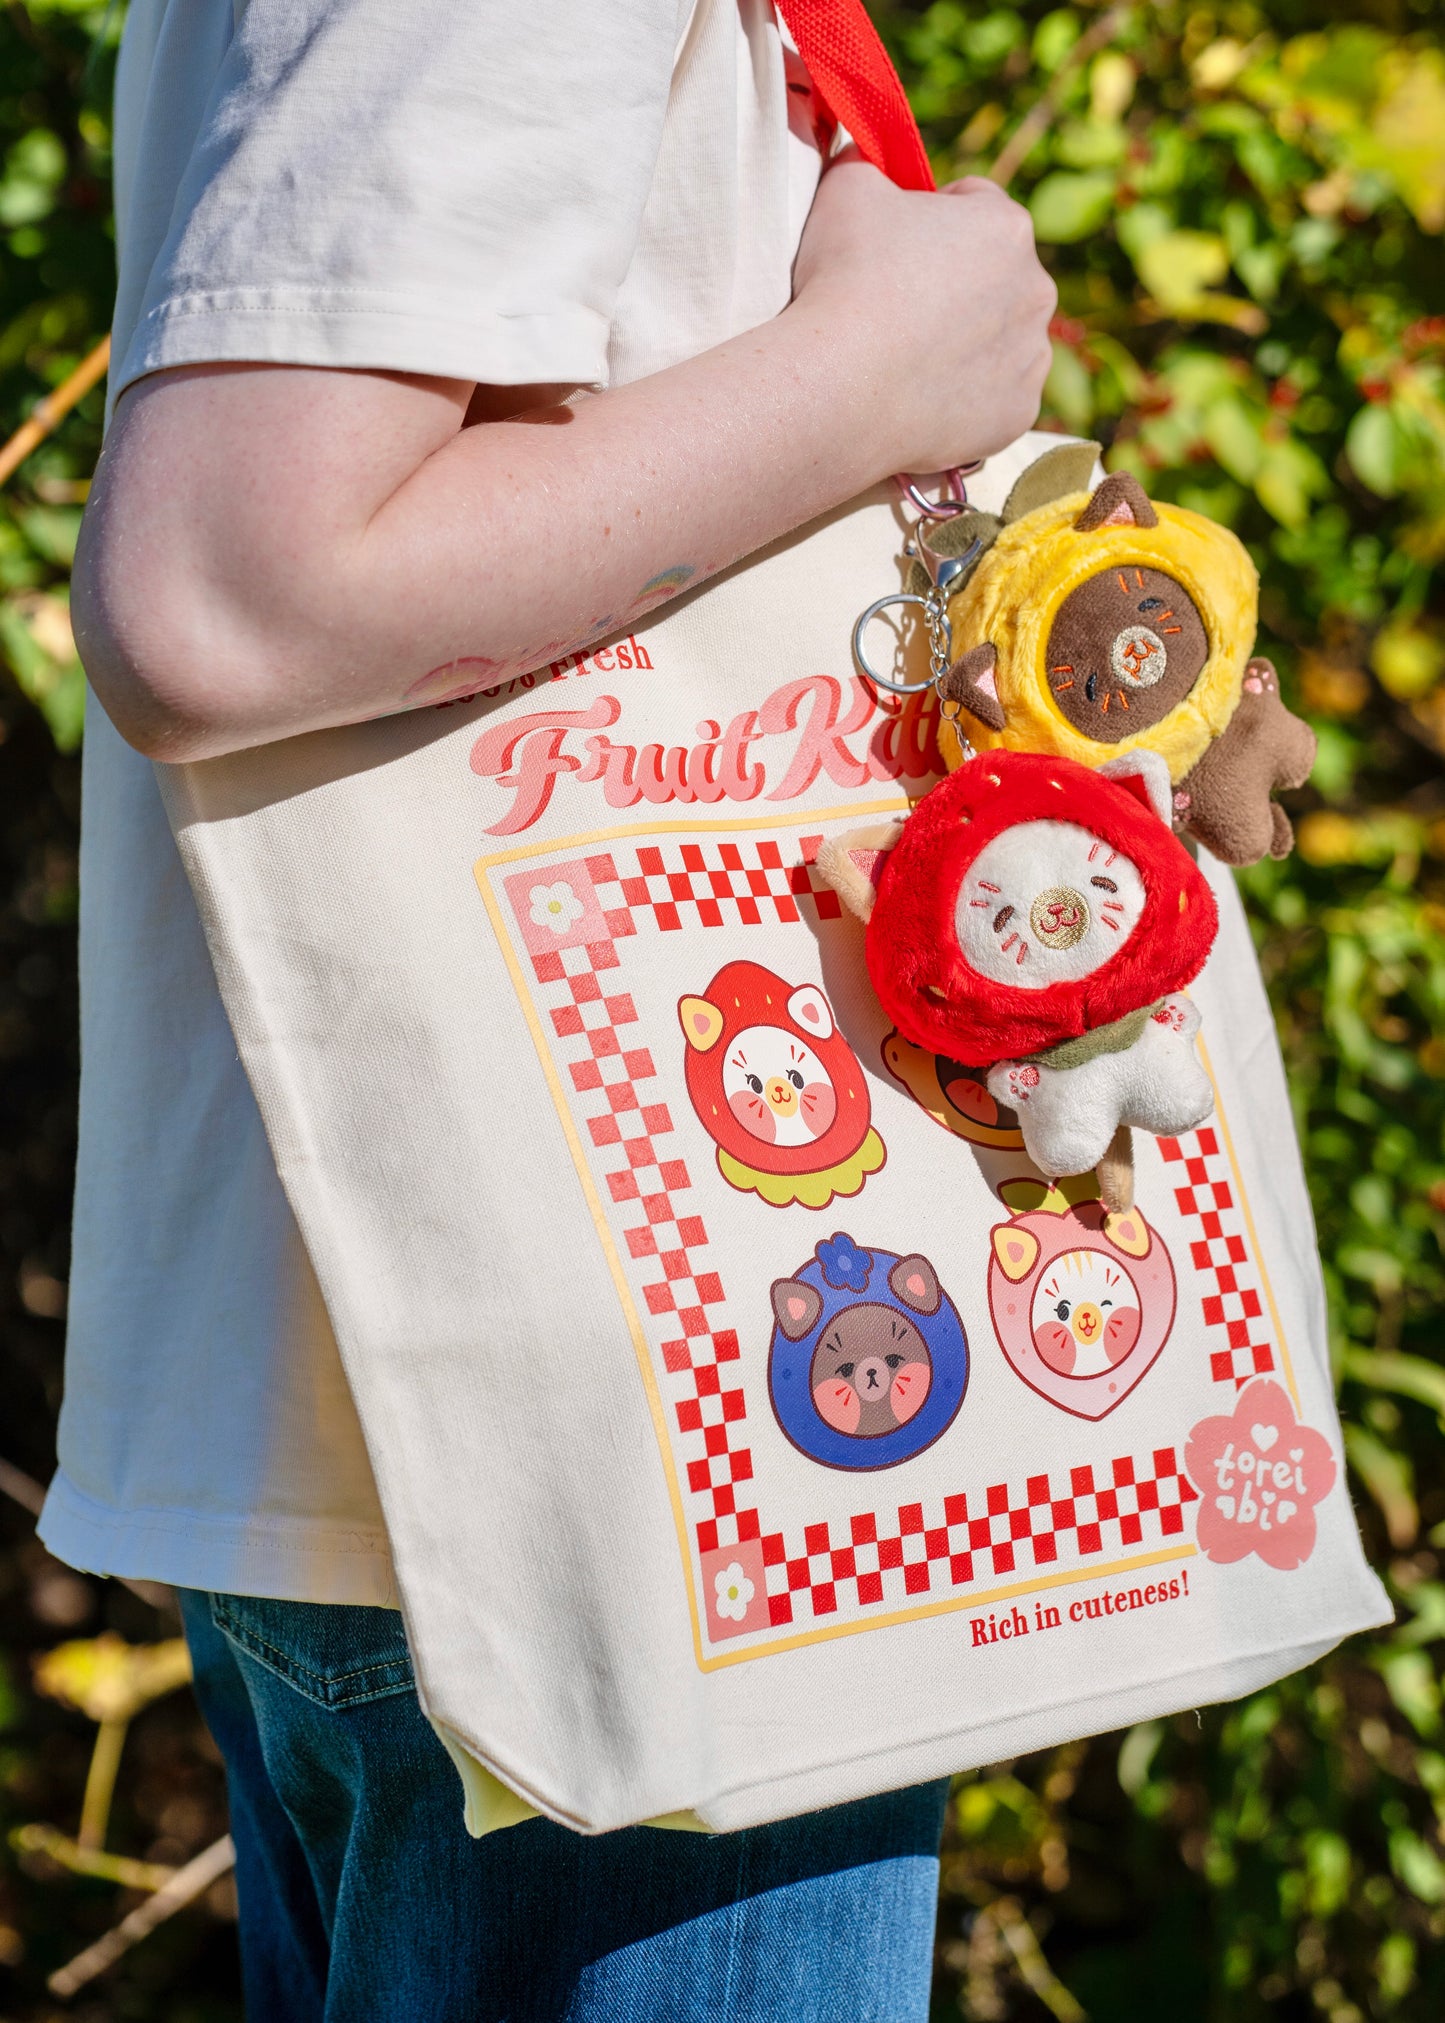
(869, 1361)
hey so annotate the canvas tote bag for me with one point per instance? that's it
(507, 977)
(498, 973)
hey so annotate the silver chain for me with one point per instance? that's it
(940, 648)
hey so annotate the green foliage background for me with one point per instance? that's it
(1244, 210)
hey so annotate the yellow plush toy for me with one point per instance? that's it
(1096, 624)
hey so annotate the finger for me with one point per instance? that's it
(971, 186)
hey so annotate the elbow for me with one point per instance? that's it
(176, 675)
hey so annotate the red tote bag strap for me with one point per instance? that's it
(853, 76)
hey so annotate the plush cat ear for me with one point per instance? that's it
(972, 683)
(1146, 775)
(1120, 501)
(853, 864)
(1066, 468)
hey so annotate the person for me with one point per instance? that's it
(447, 339)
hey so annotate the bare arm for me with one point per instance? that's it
(273, 549)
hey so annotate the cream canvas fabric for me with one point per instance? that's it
(503, 975)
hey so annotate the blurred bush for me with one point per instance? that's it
(1244, 210)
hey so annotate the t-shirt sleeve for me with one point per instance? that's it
(452, 187)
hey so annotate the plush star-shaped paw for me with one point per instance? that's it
(1068, 1116)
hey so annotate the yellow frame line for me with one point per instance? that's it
(692, 828)
(1073, 1577)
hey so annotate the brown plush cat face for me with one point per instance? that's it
(1125, 648)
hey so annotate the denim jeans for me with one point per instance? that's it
(364, 1900)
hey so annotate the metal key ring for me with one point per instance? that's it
(865, 619)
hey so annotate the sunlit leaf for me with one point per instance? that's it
(109, 1679)
(1067, 207)
(1388, 1477)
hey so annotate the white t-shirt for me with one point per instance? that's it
(582, 195)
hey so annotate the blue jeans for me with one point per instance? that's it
(364, 1900)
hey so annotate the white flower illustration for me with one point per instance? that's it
(734, 1591)
(555, 906)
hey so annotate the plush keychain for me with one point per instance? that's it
(1087, 626)
(1040, 918)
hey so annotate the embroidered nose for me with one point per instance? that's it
(1060, 917)
(1139, 657)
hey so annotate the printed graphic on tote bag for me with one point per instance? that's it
(875, 1423)
(777, 1086)
(869, 1362)
(954, 1096)
(1260, 1474)
(1082, 1302)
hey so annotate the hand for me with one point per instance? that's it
(943, 301)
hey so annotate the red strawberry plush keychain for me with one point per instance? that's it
(1040, 919)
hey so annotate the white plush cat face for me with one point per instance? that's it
(1046, 903)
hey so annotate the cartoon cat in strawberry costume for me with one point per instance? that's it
(1040, 921)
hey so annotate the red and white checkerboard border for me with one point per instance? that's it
(880, 1558)
(1206, 1194)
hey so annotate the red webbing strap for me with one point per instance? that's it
(852, 75)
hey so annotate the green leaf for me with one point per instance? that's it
(1066, 207)
(1410, 1678)
(1069, 391)
(1418, 1866)
(1140, 225)
(1388, 1477)
(1289, 476)
(1327, 1867)
(1232, 430)
(1054, 37)
(1091, 143)
(35, 636)
(1177, 267)
(1376, 447)
(1407, 1376)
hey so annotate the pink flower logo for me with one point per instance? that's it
(1260, 1474)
